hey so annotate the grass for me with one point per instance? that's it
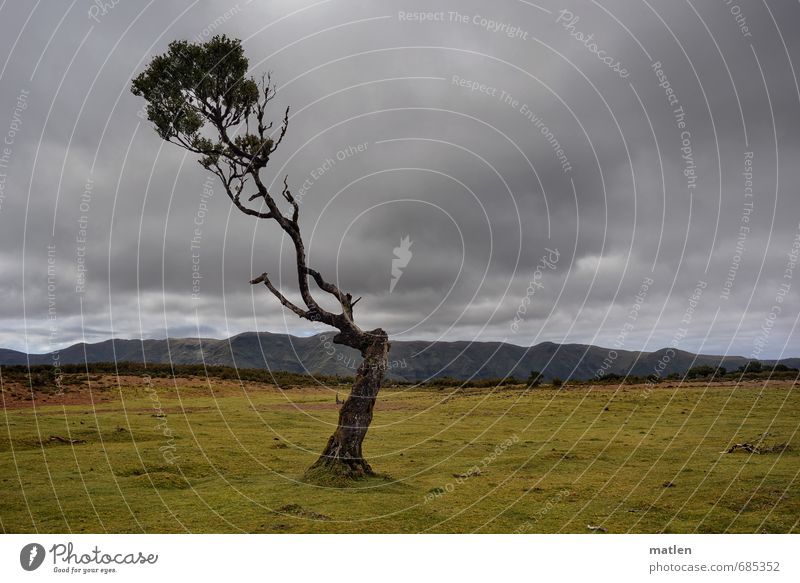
(127, 454)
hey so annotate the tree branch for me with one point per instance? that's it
(264, 278)
(284, 127)
(234, 192)
(288, 196)
(194, 88)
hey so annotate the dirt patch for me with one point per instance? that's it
(317, 406)
(24, 400)
(102, 389)
(66, 440)
(759, 446)
(300, 512)
(469, 474)
(297, 406)
(560, 455)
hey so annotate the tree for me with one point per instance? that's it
(752, 366)
(534, 379)
(556, 382)
(702, 370)
(199, 98)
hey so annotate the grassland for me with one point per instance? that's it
(133, 454)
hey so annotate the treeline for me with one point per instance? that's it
(42, 375)
(445, 382)
(750, 371)
(753, 370)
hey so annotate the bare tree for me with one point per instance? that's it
(199, 98)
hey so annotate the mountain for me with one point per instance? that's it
(409, 360)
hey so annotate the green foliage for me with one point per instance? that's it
(783, 368)
(611, 377)
(534, 379)
(752, 366)
(251, 144)
(192, 84)
(702, 370)
(556, 382)
(44, 376)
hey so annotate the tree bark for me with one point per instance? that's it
(343, 455)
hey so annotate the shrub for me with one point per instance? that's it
(752, 366)
(702, 370)
(783, 368)
(42, 375)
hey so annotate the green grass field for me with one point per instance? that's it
(189, 456)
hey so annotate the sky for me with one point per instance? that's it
(617, 173)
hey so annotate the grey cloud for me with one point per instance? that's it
(353, 76)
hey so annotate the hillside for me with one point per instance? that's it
(409, 360)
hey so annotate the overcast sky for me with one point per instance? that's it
(645, 149)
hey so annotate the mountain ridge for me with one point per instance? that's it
(410, 360)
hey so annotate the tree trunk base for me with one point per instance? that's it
(342, 460)
(332, 471)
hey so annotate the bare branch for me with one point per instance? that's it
(268, 91)
(326, 286)
(264, 278)
(288, 196)
(234, 191)
(345, 299)
(284, 127)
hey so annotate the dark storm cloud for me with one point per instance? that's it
(487, 134)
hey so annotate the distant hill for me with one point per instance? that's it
(409, 360)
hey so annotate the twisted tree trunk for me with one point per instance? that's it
(343, 455)
(222, 99)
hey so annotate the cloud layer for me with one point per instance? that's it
(624, 142)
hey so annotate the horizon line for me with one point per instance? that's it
(201, 338)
